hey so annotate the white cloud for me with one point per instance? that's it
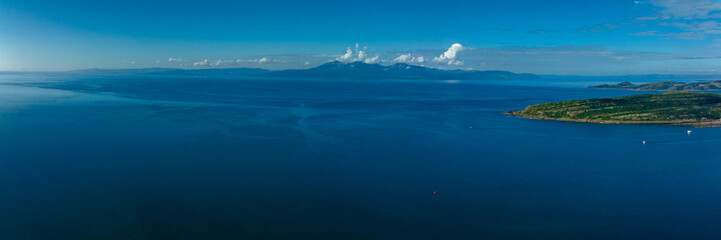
(357, 55)
(371, 60)
(175, 60)
(221, 62)
(261, 60)
(158, 61)
(306, 63)
(403, 58)
(408, 58)
(201, 63)
(348, 55)
(449, 57)
(361, 55)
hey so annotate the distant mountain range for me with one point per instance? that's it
(360, 70)
(666, 86)
(331, 70)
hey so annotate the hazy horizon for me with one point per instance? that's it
(313, 66)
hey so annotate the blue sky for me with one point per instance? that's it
(611, 37)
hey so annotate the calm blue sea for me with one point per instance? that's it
(163, 157)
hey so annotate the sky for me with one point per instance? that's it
(551, 37)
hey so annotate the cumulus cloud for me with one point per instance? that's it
(361, 55)
(263, 60)
(371, 60)
(347, 56)
(408, 58)
(449, 57)
(357, 55)
(175, 60)
(403, 58)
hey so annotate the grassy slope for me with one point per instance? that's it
(672, 107)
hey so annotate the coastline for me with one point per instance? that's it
(697, 124)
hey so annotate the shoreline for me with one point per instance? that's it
(697, 124)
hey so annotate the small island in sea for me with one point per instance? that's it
(672, 108)
(666, 86)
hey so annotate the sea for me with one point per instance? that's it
(195, 157)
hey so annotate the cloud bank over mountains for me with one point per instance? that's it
(358, 55)
(578, 60)
(450, 58)
(408, 58)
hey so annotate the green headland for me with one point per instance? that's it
(673, 108)
(666, 86)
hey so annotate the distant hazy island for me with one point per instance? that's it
(330, 70)
(666, 86)
(673, 108)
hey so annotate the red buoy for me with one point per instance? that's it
(434, 192)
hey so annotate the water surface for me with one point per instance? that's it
(164, 157)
